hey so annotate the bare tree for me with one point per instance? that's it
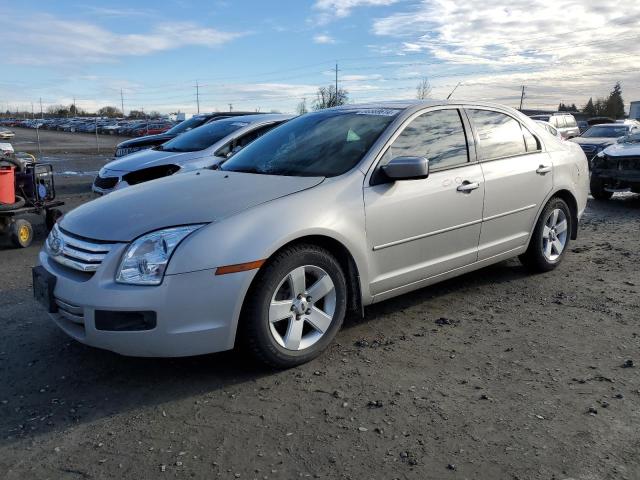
(302, 107)
(327, 97)
(423, 90)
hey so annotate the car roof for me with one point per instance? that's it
(610, 125)
(409, 104)
(260, 118)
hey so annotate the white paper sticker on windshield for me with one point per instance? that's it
(381, 112)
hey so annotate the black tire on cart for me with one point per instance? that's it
(21, 233)
(19, 203)
(51, 217)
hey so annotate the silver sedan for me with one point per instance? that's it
(330, 212)
(206, 146)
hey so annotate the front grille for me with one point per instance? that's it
(106, 183)
(77, 254)
(121, 152)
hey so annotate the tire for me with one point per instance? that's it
(51, 218)
(598, 192)
(544, 252)
(21, 233)
(293, 339)
(19, 203)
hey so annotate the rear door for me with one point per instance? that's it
(518, 177)
(417, 229)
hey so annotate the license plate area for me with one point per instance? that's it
(43, 285)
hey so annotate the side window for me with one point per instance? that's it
(560, 123)
(531, 142)
(438, 136)
(571, 121)
(499, 134)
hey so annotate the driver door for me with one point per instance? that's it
(418, 229)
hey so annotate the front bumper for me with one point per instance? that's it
(196, 312)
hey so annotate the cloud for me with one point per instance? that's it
(45, 39)
(331, 9)
(555, 45)
(324, 39)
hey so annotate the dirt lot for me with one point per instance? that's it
(494, 375)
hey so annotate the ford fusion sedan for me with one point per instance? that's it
(599, 137)
(330, 212)
(202, 147)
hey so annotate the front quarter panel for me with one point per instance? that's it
(332, 209)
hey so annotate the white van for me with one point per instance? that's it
(565, 123)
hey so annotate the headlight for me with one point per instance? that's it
(146, 259)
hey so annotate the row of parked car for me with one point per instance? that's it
(612, 148)
(104, 126)
(209, 140)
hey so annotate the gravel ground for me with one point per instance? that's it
(494, 375)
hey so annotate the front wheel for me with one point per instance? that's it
(550, 238)
(597, 188)
(295, 307)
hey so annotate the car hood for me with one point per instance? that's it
(198, 197)
(147, 140)
(623, 150)
(594, 140)
(151, 158)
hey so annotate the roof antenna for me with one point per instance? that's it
(452, 91)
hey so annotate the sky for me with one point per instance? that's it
(273, 54)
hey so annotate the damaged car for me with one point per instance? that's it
(617, 168)
(203, 147)
(599, 137)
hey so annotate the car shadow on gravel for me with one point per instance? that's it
(53, 382)
(503, 272)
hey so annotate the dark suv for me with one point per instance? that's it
(150, 141)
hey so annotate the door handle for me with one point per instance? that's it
(468, 187)
(543, 169)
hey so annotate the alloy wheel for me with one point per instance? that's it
(302, 308)
(554, 235)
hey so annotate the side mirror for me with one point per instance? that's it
(407, 168)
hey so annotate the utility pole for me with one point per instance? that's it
(41, 114)
(336, 99)
(122, 102)
(522, 98)
(75, 111)
(198, 95)
(231, 107)
(32, 114)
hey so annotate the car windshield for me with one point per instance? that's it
(187, 125)
(202, 137)
(542, 118)
(633, 138)
(606, 132)
(320, 144)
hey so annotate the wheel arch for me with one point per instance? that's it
(344, 257)
(571, 201)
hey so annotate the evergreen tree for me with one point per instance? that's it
(614, 105)
(590, 108)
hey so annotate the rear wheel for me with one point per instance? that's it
(597, 189)
(21, 233)
(550, 238)
(295, 307)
